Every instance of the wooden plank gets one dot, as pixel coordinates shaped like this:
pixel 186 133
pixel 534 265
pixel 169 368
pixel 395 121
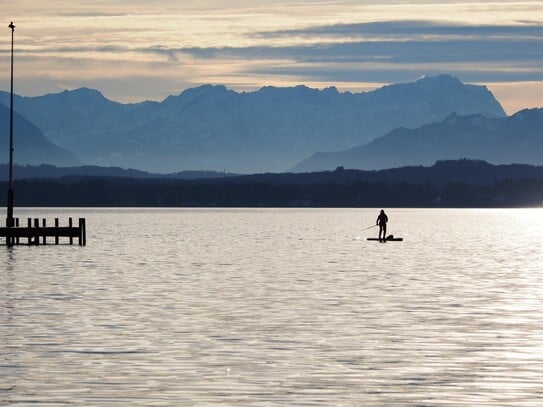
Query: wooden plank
pixel 49 231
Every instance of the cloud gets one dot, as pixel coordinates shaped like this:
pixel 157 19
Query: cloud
pixel 395 50
pixel 387 52
pixel 412 29
pixel 398 73
pixel 247 45
pixel 388 41
pixel 498 50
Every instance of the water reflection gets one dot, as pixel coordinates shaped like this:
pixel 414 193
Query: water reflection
pixel 7 327
pixel 277 307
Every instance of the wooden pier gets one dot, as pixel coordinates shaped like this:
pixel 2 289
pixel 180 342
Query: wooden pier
pixel 36 233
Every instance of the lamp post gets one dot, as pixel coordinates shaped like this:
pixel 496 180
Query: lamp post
pixel 10 222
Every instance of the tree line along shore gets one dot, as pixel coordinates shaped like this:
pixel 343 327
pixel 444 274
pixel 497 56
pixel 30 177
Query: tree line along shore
pixel 462 183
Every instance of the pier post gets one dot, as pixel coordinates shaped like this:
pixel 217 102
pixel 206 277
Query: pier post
pixel 56 231
pixel 10 221
pixel 29 225
pixel 82 232
pixel 70 225
pixel 44 224
pixel 9 240
pixel 17 225
pixel 37 231
pixel 8 243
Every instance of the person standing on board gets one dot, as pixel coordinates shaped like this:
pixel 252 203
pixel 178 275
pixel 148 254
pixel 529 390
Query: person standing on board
pixel 382 220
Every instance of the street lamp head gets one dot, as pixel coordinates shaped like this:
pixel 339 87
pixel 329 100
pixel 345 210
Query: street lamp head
pixel 12 26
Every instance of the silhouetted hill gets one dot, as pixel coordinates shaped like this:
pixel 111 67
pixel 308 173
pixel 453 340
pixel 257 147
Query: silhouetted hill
pixel 211 127
pixel 514 139
pixel 473 172
pixel 51 171
pixel 470 172
pixel 30 145
pixel 461 183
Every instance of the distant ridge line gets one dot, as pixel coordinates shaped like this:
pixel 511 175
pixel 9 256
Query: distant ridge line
pixel 52 171
pixel 470 171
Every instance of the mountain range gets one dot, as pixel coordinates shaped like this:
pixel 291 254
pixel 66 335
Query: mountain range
pixel 503 140
pixel 52 171
pixel 213 128
pixel 29 143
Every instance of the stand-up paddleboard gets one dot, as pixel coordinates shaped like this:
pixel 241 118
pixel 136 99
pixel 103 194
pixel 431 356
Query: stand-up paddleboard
pixel 388 239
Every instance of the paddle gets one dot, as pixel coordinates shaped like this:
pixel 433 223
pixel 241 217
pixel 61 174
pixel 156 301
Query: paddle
pixel 370 227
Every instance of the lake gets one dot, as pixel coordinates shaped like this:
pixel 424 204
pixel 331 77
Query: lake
pixel 277 307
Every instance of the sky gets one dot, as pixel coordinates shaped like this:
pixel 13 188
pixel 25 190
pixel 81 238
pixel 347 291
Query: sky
pixel 134 50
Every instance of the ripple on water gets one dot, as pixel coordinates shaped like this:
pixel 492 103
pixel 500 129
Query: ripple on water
pixel 277 307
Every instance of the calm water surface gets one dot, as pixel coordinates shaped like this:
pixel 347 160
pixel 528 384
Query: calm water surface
pixel 277 307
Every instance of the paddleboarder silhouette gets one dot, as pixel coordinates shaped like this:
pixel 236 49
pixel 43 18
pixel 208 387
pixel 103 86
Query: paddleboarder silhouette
pixel 382 220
